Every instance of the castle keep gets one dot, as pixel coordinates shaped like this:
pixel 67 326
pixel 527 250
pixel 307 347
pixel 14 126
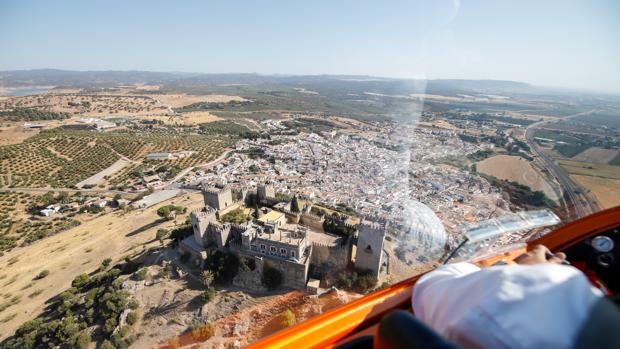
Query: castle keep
pixel 220 198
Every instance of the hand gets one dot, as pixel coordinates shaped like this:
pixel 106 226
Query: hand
pixel 540 254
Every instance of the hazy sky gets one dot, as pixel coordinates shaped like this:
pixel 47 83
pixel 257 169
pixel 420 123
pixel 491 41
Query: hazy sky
pixel 566 43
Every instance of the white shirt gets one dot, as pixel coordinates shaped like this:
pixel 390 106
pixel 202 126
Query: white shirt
pixel 511 306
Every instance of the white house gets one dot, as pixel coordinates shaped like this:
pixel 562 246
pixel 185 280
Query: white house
pixel 50 210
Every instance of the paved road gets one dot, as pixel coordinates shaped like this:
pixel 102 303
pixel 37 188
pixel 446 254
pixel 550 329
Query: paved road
pixel 578 203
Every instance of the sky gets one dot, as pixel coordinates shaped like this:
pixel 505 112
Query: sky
pixel 559 43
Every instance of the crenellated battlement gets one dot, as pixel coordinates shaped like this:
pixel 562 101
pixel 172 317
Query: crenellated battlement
pixel 290 213
pixel 378 225
pixel 215 190
pixel 219 228
pixel 312 216
pixel 206 212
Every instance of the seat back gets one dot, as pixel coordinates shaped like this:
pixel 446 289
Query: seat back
pixel 402 330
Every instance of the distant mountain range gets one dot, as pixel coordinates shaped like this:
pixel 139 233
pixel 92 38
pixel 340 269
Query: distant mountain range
pixel 101 79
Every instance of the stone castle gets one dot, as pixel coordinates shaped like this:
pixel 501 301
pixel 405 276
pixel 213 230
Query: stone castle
pixel 288 247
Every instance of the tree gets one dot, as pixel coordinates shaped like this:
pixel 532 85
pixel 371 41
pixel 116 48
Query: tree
pixel 82 340
pixel 107 345
pixel 169 211
pixel 207 278
pixel 287 318
pixel 294 204
pixel 134 304
pixel 236 216
pixel 161 235
pixel 247 264
pixel 106 263
pixel 80 281
pixel 164 212
pixel 42 274
pixel 224 265
pixel 63 197
pixel 132 318
pixel 47 198
pixel 272 277
pixel 141 274
pixel 208 295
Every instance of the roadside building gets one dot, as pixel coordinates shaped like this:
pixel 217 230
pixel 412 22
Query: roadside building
pixel 101 203
pixel 50 210
pixel 161 156
pixel 153 181
pixel 158 156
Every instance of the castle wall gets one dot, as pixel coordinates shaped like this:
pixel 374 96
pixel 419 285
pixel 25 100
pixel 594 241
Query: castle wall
pixel 314 222
pixel 294 275
pixel 331 255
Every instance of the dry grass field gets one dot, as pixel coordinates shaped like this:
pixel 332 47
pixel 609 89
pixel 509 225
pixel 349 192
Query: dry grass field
pixel 180 100
pixel 90 105
pixel 596 155
pixel 516 169
pixel 195 118
pixel 14 132
pixel 73 252
pixel 606 191
pixel 125 102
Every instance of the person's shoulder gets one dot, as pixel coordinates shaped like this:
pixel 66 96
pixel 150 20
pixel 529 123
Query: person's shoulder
pixel 539 273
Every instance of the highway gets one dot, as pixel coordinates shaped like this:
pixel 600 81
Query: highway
pixel 578 203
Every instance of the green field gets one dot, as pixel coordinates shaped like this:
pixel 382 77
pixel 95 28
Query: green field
pixel 589 169
pixel 615 161
pixel 570 150
pixel 571 146
pixel 556 136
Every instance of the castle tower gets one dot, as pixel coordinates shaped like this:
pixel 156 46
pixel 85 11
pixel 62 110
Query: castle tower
pixel 200 222
pixel 369 255
pixel 265 191
pixel 218 234
pixel 218 198
pixel 246 238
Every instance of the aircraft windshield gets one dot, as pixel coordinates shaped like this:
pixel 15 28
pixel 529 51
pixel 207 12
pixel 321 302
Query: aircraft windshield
pixel 210 173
